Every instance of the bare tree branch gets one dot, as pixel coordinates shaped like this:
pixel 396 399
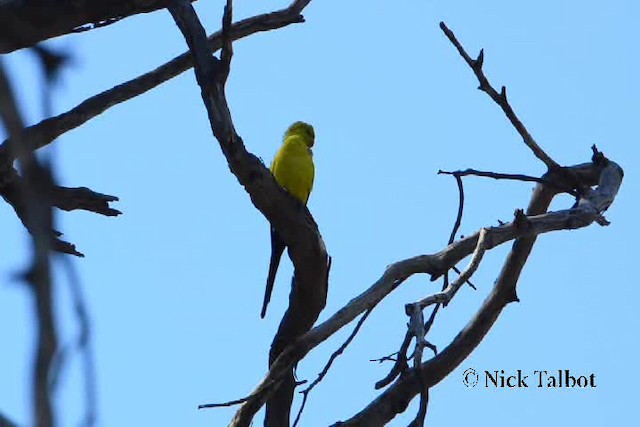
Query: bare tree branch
pixel 396 398
pixel 400 364
pixel 65 198
pixel 24 23
pixel 438 263
pixel 500 99
pixel 38 218
pixel 296 226
pixel 6 422
pixel 416 326
pixel 445 296
pixel 326 368
pixel 508 176
pixel 48 130
pixel 83 344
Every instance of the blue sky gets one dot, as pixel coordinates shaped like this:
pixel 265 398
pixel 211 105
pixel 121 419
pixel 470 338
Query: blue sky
pixel 174 285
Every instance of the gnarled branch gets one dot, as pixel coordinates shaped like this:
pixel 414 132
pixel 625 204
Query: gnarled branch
pixel 296 226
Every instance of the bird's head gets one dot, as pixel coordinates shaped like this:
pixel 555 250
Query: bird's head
pixel 302 130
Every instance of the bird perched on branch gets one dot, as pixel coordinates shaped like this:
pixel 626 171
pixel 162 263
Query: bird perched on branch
pixel 293 169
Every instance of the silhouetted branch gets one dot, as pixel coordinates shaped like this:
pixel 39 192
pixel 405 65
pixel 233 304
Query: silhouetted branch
pixel 500 99
pixel 296 226
pixel 400 364
pixel 83 344
pixel 396 398
pixel 508 176
pixel 65 198
pixel 38 218
pixel 95 25
pixel 6 422
pixel 458 221
pixel 445 296
pixel 24 23
pixel 47 130
pixel 83 198
pixel 333 357
pixel 438 263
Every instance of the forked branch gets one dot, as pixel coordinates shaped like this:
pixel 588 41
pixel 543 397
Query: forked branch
pixel 297 227
pixel 48 130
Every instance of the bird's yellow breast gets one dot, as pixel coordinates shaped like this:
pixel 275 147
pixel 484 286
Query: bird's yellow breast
pixel 293 167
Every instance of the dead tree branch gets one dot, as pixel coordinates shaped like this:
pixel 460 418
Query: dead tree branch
pixel 500 99
pixel 325 370
pixel 11 190
pixel 417 329
pixel 585 175
pixel 605 174
pixel 507 176
pixel 49 129
pixel 6 422
pixel 445 296
pixel 296 226
pixel 83 344
pixel 45 132
pixel 24 23
pixel 38 218
pixel 436 265
pixel 396 398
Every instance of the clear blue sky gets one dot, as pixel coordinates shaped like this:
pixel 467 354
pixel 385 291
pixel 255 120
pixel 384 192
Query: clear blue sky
pixel 174 285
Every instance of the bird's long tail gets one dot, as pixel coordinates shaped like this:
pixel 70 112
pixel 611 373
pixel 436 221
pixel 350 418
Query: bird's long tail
pixel 277 248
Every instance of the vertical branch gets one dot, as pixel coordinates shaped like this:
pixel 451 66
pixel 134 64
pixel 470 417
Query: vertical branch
pixel 83 343
pixel 296 226
pixel 35 187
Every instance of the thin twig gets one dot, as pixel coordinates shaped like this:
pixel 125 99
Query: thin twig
pixel 400 364
pixel 84 343
pixel 325 370
pixel 510 176
pixel 267 387
pixel 456 225
pixel 223 404
pixel 390 358
pixel 500 99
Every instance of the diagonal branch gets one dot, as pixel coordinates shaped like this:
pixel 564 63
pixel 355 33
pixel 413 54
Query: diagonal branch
pixel 64 198
pixel 500 99
pixel 445 296
pixel 438 263
pixel 24 23
pixel 47 130
pixel 326 368
pixel 6 422
pixel 397 397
